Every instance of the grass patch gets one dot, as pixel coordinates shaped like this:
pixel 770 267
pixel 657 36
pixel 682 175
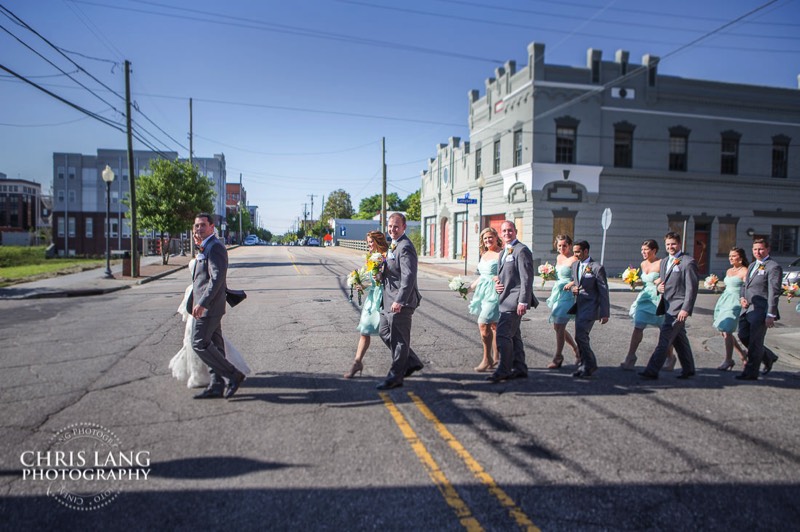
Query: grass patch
pixel 19 264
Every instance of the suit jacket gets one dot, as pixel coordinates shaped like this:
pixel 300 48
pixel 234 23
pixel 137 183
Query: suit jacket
pixel 592 302
pixel 680 285
pixel 515 272
pixel 762 290
pixel 400 275
pixel 209 278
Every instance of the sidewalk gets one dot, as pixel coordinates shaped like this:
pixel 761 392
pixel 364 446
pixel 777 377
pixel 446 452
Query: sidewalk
pixel 93 282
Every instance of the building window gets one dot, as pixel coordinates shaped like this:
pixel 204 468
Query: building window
pixel 477 163
pixel 623 145
pixel 114 196
pixel 72 196
pixel 784 239
pixel 60 172
pixel 565 145
pixel 72 172
pixel 678 148
pixel 89 227
pixel 727 236
pixel 729 153
pixel 496 168
pixel 518 147
pixel 780 156
pixel 61 196
pixel 126 228
pixel 71 226
pixel 114 227
pixel 461 233
pixel 61 227
pixel 566 139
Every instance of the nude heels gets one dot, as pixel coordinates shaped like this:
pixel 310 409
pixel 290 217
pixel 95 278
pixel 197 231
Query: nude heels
pixel 358 367
pixel 727 365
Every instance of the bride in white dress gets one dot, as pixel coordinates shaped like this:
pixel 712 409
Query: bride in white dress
pixel 186 365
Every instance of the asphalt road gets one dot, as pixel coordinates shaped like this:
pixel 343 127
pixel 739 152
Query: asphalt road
pixel 300 448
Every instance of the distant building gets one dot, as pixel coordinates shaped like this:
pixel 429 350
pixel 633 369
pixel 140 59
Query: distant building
pixel 351 229
pixel 23 211
pixel 79 197
pixel 551 147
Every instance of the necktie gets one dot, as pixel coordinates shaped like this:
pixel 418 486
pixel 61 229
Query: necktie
pixel 582 269
pixel 755 268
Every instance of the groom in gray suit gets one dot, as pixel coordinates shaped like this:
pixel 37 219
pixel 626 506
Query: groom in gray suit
pixel 400 299
pixel 759 298
pixel 678 293
pixel 207 305
pixel 514 283
pixel 591 304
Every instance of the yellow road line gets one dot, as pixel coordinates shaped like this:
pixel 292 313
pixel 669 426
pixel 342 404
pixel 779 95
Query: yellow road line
pixel 293 263
pixel 514 511
pixel 447 490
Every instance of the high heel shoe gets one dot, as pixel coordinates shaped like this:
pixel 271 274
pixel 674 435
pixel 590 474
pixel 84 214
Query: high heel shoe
pixel 670 365
pixel 358 367
pixel 556 363
pixel 483 367
pixel 726 365
pixel 629 364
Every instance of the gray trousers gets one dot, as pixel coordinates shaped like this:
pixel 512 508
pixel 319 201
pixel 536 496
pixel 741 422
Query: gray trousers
pixel 395 331
pixel 509 345
pixel 209 345
pixel 672 333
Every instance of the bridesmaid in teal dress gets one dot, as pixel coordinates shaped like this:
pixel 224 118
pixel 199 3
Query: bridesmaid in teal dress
pixel 484 302
pixel 561 300
pixel 371 308
pixel 643 310
pixel 728 308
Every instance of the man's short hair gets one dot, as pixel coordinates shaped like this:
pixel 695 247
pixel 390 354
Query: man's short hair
pixel 672 235
pixel 583 244
pixel 509 222
pixel 762 241
pixel 398 215
pixel 206 216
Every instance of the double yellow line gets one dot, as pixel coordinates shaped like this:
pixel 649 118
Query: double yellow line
pixel 448 491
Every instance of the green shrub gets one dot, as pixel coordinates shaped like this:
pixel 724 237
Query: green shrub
pixel 21 255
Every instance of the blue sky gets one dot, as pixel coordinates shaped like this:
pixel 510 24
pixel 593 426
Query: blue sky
pixel 297 95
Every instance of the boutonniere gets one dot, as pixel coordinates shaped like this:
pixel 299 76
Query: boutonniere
pixel 762 267
pixel 509 250
pixel 587 270
pixel 393 246
pixel 677 261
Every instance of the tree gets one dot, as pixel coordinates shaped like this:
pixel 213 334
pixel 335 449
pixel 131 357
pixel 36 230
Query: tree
pixel 371 206
pixel 413 209
pixel 337 206
pixel 169 197
pixel 232 219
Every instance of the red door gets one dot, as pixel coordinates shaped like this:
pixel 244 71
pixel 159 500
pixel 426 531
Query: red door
pixel 445 238
pixel 495 221
pixel 431 240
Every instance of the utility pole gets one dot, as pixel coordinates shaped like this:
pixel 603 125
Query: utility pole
pixel 305 216
pixel 312 207
pixel 191 240
pixel 191 139
pixel 131 172
pixel 383 195
pixel 241 204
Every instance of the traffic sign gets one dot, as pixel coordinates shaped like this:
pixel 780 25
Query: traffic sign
pixel 466 200
pixel 605 220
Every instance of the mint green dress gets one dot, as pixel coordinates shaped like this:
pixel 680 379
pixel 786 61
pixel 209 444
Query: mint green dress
pixel 371 309
pixel 728 308
pixel 560 300
pixel 643 310
pixel 484 302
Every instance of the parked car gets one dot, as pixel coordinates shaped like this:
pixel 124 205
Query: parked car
pixel 250 240
pixel 311 241
pixel 791 274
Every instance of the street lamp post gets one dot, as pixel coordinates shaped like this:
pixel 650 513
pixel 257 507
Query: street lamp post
pixel 481 184
pixel 108 177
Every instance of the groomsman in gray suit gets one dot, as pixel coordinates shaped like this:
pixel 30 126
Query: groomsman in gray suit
pixel 759 298
pixel 400 299
pixel 591 304
pixel 207 305
pixel 678 293
pixel 514 283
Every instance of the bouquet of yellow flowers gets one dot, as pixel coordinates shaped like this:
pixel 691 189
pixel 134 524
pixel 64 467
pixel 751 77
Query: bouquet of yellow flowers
pixel 374 261
pixel 356 280
pixel 791 290
pixel 631 276
pixel 457 284
pixel 711 282
pixel 547 272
